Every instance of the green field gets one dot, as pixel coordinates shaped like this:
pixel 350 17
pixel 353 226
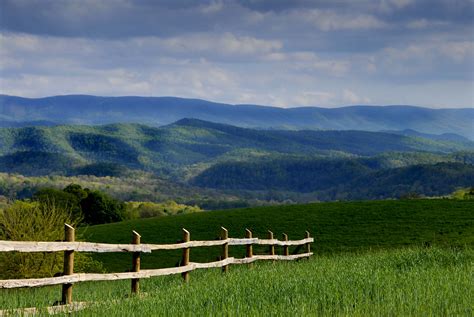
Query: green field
pixel 336 227
pixel 382 258
pixel 408 282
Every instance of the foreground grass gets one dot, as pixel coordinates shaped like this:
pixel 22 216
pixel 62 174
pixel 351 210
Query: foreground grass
pixel 403 282
pixel 336 227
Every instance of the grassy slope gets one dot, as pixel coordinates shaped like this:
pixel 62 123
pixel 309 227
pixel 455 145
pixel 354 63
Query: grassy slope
pixel 410 282
pixel 335 226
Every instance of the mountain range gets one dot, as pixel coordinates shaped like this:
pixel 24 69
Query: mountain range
pixel 158 111
pixel 245 151
pixel 325 165
pixel 190 145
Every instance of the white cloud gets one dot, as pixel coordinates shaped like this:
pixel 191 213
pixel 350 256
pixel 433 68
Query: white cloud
pixel 458 51
pixel 327 20
pixel 351 97
pixel 309 62
pixel 392 5
pixel 426 57
pixel 425 24
pixel 312 98
pixel 235 68
pixel 225 44
pixel 400 3
pixel 213 7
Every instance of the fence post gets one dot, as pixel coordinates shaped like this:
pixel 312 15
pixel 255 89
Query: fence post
pixel 249 247
pixel 272 247
pixel 308 245
pixel 185 260
pixel 68 268
pixel 285 247
pixel 225 248
pixel 135 263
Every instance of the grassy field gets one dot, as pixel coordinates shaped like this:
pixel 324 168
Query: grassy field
pixel 403 282
pixel 382 258
pixel 336 227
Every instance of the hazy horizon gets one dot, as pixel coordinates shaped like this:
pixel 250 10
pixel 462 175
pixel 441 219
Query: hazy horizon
pixel 242 104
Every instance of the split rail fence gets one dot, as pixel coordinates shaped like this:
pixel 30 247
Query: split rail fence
pixel 69 246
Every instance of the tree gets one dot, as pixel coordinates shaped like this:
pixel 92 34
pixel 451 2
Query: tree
pixel 60 199
pixel 99 208
pixel 77 191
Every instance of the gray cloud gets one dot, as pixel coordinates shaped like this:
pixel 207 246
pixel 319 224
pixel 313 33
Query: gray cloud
pixel 286 53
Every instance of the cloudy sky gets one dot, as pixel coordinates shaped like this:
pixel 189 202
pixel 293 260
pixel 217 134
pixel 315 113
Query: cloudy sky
pixel 283 53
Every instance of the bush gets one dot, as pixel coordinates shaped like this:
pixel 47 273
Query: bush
pixel 135 210
pixel 37 221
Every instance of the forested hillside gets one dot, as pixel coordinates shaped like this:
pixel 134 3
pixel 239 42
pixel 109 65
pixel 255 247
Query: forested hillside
pixel 339 179
pixel 173 149
pixel 244 164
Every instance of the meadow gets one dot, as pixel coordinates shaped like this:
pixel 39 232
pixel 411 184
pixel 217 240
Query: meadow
pixel 380 258
pixel 336 227
pixel 405 282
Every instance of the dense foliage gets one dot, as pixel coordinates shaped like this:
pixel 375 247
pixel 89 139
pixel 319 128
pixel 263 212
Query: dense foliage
pixel 135 187
pixel 339 179
pixel 186 147
pixel 93 206
pixel 213 165
pixel 38 221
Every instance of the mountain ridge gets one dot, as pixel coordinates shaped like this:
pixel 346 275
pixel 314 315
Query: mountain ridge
pixel 158 111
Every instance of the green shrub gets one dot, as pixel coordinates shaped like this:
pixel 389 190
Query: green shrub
pixel 135 209
pixel 37 221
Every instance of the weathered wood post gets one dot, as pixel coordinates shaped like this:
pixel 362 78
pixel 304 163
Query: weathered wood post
pixel 249 247
pixel 225 248
pixel 135 263
pixel 272 246
pixel 68 268
pixel 285 247
pixel 185 260
pixel 308 245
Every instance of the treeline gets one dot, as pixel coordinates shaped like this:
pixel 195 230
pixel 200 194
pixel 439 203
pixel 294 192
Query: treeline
pixel 138 186
pixel 338 179
pixel 37 163
pixel 97 207
pixel 300 175
pixel 92 206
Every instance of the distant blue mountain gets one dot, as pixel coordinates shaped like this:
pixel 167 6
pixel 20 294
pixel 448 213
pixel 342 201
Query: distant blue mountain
pixel 435 137
pixel 157 111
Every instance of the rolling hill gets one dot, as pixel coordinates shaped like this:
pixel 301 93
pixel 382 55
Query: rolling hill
pixel 248 163
pixel 180 147
pixel 157 111
pixel 348 226
pixel 338 179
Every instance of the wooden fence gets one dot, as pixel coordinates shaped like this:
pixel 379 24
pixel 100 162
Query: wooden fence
pixel 69 246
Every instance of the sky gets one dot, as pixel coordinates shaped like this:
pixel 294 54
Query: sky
pixel 284 53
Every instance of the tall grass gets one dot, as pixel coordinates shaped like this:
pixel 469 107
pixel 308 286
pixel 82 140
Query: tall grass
pixel 403 282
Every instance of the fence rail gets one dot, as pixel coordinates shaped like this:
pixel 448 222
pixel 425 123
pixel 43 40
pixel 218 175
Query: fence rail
pixel 136 248
pixel 32 246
